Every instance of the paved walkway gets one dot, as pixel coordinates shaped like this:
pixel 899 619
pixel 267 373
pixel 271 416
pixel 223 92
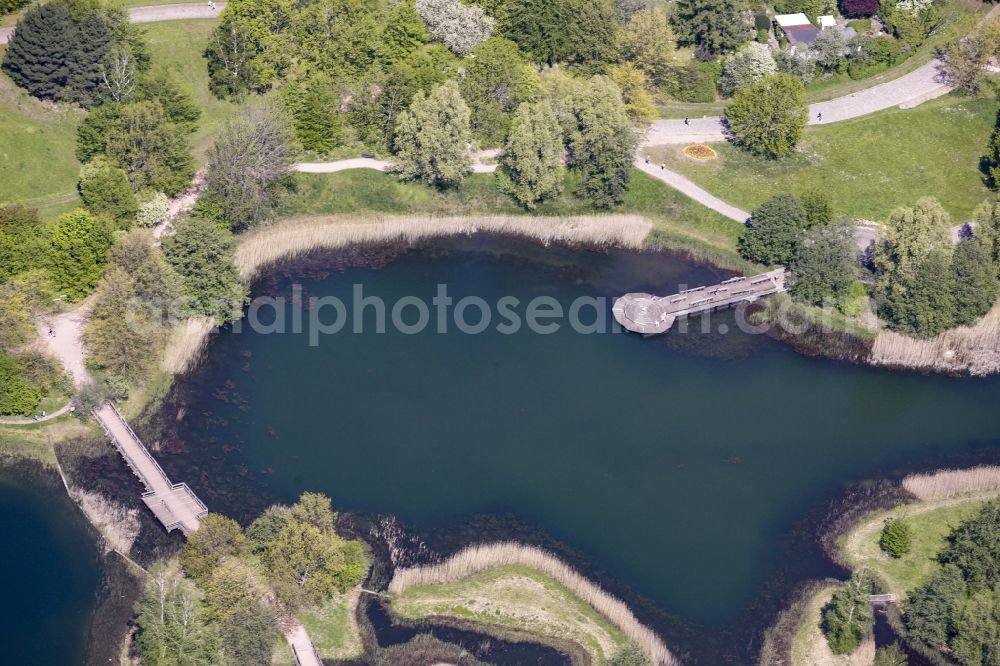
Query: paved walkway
pixel 478 166
pixel 688 188
pixel 302 647
pixel 909 90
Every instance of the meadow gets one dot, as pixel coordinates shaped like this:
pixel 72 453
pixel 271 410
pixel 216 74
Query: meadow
pixel 869 165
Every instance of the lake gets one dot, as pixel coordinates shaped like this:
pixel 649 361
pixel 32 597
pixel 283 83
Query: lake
pixel 52 574
pixel 680 466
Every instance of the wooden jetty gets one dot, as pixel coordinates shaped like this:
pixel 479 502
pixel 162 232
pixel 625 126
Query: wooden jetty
pixel 174 504
pixel 648 314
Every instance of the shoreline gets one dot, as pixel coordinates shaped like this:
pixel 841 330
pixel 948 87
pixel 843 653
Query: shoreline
pixel 862 516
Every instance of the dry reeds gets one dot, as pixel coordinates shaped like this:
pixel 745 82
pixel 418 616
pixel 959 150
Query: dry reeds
pixel 966 349
pixel 475 559
pixel 298 236
pixel 952 482
pixel 118 524
pixel 186 342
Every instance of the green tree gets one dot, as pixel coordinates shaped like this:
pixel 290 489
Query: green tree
pixel 384 95
pixel 23 241
pixel 150 148
pixel 824 264
pixel 603 144
pixel 121 333
pixel 896 538
pixel 128 324
pixel 911 235
pixel 713 27
pixel 767 117
pixel 533 155
pixel 745 67
pixel 251 159
pixel 105 190
pixel 977 629
pixel 86 60
pixel 975 280
pixel 172 626
pixel 925 306
pixel 264 530
pixel 18 395
pixel 308 565
pixel 848 618
pixel 818 206
pixel 248 637
pixel 631 81
pixel 974 547
pixel 36 58
pixel 496 82
pixel 202 255
pixel 79 250
pixel 630 654
pixel 774 228
pixel 403 32
pixel 434 136
pixel 930 608
pixel 336 35
pixel 648 43
pixel 890 656
pixel 229 588
pixel 313 105
pixel 253 45
pixel 314 509
pixel 578 32
pixel 92 132
pixel 216 539
pixel 177 104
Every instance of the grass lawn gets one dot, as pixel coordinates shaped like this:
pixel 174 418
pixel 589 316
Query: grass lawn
pixel 332 627
pixel 517 599
pixel 177 47
pixel 932 521
pixel 37 165
pixel 679 222
pixel 869 165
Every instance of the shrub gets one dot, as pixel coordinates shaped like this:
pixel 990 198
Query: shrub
pixel 761 21
pixel 746 67
pixel 897 537
pixel 9 6
pixel 153 210
pixel 696 82
pixel 848 618
pixel 890 656
pixel 460 27
pixel 18 395
pixel 105 190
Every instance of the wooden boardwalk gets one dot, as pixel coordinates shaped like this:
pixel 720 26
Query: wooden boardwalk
pixel 174 504
pixel 648 314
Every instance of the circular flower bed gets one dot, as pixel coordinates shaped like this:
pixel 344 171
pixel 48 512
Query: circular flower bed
pixel 699 151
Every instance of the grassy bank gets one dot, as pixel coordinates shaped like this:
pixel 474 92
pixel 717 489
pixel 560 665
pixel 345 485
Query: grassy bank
pixel 37 140
pixel 523 588
pixel 177 47
pixel 869 165
pixel 950 497
pixel 677 221
pixel 809 646
pixel 333 627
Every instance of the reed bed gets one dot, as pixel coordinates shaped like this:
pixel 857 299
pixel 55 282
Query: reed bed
pixel 298 236
pixel 951 482
pixel 974 350
pixel 186 343
pixel 478 558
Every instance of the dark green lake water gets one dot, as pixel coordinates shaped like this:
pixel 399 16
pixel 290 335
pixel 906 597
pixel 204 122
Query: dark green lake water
pixel 51 575
pixel 678 465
